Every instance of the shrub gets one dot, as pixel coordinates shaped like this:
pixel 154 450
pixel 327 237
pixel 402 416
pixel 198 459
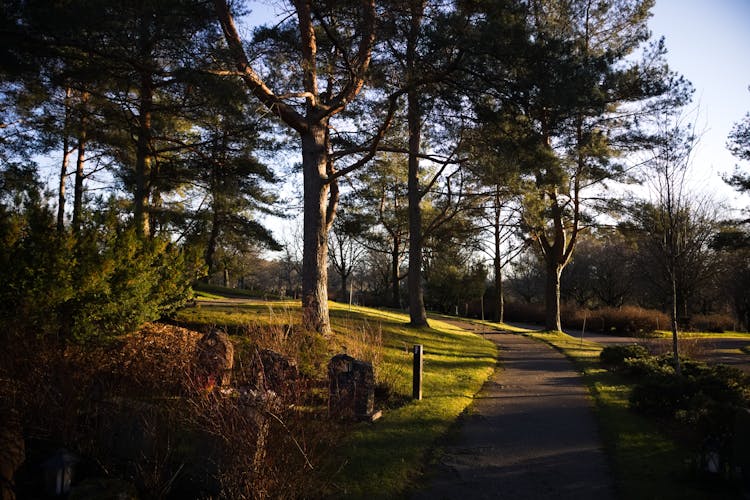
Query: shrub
pixel 523 312
pixel 707 398
pixel 101 282
pixel 716 323
pixel 626 320
pixel 649 366
pixel 130 410
pixel 615 355
pixel 660 396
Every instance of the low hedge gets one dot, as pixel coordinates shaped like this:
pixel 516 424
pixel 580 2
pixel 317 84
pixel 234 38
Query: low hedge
pixel 704 402
pixel 614 356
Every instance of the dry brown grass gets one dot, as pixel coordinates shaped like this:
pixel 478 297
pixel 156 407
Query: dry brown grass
pixel 133 411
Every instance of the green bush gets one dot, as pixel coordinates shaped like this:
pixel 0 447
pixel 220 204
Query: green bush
pixel 648 366
pixel 614 356
pixel 101 282
pixel 705 398
pixel 660 396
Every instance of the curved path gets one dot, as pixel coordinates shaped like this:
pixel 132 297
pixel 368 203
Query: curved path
pixel 530 433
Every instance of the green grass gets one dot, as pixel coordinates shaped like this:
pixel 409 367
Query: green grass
pixel 702 335
pixel 381 459
pixel 647 463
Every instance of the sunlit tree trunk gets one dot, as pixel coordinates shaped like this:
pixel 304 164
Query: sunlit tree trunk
pixel 417 312
pixel 143 158
pixel 315 230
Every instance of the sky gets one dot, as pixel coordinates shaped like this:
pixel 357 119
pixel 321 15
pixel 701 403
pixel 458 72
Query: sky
pixel 708 42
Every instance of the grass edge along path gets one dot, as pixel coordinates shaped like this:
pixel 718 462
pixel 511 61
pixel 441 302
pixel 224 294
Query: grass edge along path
pixel 646 462
pixel 383 459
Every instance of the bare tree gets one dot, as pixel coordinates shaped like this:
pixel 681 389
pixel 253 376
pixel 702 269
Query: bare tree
pixel 678 225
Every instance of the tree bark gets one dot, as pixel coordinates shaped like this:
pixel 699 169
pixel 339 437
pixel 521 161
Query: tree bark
pixel 500 314
pixel 80 160
pixel 552 297
pixel 498 261
pixel 143 158
pixel 315 229
pixel 395 277
pixel 417 312
pixel 674 326
pixel 65 160
pixel 212 242
pixel 78 183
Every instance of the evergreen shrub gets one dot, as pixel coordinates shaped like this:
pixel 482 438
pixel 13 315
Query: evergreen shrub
pixel 615 355
pixel 102 281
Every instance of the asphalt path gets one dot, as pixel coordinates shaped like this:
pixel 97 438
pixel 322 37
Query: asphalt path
pixel 529 434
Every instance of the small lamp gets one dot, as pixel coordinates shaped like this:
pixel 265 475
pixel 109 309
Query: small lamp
pixel 58 472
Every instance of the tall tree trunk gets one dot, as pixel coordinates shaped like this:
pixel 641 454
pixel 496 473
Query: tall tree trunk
pixel 417 312
pixel 498 261
pixel 320 188
pixel 315 232
pixel 500 314
pixel 155 203
pixel 143 158
pixel 674 326
pixel 78 183
pixel 80 160
pixel 212 242
pixel 67 151
pixel 344 285
pixel 552 297
pixel 395 278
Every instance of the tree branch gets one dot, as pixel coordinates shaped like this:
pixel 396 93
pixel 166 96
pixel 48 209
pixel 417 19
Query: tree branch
pixel 256 85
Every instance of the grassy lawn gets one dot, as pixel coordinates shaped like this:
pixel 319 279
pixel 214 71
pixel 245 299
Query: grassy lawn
pixel 380 460
pixel 702 335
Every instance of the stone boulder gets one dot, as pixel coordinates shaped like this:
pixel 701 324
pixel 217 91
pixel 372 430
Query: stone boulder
pixel 275 372
pixel 215 359
pixel 351 387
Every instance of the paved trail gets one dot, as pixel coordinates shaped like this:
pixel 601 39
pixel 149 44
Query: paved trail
pixel 530 435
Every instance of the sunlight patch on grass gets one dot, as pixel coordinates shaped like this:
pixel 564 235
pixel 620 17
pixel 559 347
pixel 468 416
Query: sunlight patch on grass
pixel 702 335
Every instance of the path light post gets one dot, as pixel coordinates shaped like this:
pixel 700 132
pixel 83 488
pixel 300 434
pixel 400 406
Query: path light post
pixel 417 373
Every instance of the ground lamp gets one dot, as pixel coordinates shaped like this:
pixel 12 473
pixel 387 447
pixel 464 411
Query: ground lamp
pixel 58 472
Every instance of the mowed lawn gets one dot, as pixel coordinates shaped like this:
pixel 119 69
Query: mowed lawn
pixel 380 459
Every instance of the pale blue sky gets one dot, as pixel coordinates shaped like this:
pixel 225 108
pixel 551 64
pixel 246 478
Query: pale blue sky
pixel 709 43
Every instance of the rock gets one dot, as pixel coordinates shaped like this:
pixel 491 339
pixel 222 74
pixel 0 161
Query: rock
pixel 275 372
pixel 351 387
pixel 215 360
